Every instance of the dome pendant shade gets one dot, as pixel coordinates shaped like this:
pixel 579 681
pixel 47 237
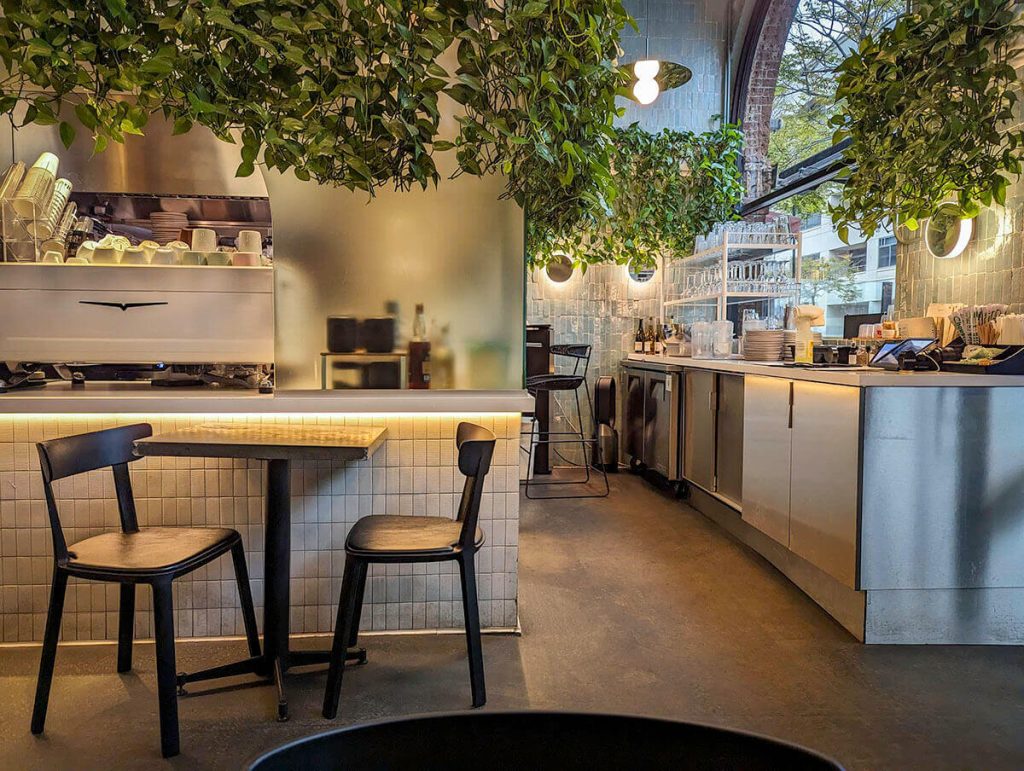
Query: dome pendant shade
pixel 649 77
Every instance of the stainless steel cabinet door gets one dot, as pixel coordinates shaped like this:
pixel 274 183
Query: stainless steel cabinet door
pixel 699 396
pixel 825 473
pixel 633 414
pixel 767 447
pixel 729 444
pixel 661 423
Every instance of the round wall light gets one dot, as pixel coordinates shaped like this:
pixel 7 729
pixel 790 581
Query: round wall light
pixel 947 233
pixel 560 270
pixel 640 275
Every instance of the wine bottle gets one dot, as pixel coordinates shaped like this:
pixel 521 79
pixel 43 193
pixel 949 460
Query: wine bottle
pixel 638 341
pixel 659 338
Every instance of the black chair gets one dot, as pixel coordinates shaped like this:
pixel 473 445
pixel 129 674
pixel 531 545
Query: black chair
pixel 539 740
pixel 418 539
pixel 153 555
pixel 574 381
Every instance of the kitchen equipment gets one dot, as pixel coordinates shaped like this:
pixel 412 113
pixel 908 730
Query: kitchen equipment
pixel 246 259
pixel 888 355
pixel 763 345
pixel 377 334
pixel 721 338
pixel 701 338
pixel 807 316
pixel 604 416
pixel 342 334
pixel 652 404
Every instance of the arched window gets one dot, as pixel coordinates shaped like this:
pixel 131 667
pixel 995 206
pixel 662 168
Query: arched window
pixel 785 97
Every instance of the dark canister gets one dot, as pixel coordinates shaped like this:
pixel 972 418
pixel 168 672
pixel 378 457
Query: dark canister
pixel 377 334
pixel 342 334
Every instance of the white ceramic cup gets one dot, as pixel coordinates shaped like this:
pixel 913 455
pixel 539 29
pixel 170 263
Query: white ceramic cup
pixel 246 260
pixel 76 261
pixel 165 255
pixel 53 256
pixel 86 250
pixel 134 255
pixel 149 247
pixel 217 258
pixel 192 258
pixel 106 255
pixel 249 241
pixel 204 240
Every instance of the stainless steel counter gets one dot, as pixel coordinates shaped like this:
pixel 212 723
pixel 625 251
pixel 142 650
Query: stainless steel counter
pixel 896 501
pixel 861 377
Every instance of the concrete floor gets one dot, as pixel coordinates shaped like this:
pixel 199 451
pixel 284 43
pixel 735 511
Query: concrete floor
pixel 632 604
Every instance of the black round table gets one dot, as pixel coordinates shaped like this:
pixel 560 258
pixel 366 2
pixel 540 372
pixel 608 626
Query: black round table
pixel 538 740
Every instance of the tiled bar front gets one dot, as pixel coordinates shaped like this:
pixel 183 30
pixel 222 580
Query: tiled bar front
pixel 414 473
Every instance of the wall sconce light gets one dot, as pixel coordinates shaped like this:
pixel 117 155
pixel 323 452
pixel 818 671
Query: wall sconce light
pixel 946 233
pixel 640 275
pixel 559 271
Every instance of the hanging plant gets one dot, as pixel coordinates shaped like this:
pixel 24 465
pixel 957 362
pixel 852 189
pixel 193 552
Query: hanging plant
pixel 345 92
pixel 671 187
pixel 928 107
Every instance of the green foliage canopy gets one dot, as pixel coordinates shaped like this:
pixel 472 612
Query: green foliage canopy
pixel 345 92
pixel 928 106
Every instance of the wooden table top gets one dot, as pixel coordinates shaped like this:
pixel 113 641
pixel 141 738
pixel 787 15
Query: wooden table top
pixel 267 442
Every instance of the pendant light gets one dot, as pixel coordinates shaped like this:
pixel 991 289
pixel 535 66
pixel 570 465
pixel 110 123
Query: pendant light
pixel 650 76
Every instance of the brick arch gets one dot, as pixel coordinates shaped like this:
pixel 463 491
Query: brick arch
pixel 755 87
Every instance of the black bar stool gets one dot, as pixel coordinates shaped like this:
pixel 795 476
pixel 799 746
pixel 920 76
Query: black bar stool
pixel 384 538
pixel 153 555
pixel 573 381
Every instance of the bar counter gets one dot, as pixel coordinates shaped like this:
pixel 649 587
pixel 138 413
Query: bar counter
pixel 895 500
pixel 414 473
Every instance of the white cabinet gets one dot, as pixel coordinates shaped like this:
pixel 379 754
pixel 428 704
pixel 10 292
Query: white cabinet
pixel 801 464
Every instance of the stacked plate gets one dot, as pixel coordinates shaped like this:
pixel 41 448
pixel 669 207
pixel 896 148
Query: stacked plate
pixel 167 225
pixel 763 344
pixel 789 344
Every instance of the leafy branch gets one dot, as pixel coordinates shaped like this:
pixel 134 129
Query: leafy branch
pixel 929 107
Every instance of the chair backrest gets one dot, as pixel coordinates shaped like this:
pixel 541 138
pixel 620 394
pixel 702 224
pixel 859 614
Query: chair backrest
pixel 579 352
pixel 71 455
pixel 476 448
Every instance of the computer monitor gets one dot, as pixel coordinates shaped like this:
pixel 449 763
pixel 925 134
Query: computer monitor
pixel 851 324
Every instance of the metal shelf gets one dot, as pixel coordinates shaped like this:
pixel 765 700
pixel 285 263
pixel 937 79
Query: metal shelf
pixel 733 295
pixel 716 251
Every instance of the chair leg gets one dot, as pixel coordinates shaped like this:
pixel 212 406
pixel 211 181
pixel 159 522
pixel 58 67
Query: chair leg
pixel 252 633
pixel 166 674
pixel 596 452
pixel 126 628
pixel 353 638
pixel 471 611
pixel 342 632
pixel 50 636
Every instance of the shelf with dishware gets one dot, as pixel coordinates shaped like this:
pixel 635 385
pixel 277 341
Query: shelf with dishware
pixel 738 263
pixel 43 220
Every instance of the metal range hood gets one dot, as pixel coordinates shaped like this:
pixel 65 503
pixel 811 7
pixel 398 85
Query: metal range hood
pixel 195 164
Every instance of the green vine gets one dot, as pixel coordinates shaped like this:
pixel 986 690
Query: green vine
pixel 345 92
pixel 928 107
pixel 671 187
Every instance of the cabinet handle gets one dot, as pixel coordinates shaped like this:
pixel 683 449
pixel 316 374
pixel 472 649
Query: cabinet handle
pixel 790 406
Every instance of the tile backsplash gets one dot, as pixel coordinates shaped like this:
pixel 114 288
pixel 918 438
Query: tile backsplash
pixel 413 473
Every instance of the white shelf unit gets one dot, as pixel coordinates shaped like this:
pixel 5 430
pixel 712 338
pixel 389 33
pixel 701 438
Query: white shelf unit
pixel 788 250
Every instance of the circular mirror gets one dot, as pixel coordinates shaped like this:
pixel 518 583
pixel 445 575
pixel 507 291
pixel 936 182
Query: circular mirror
pixel 641 275
pixel 946 234
pixel 559 270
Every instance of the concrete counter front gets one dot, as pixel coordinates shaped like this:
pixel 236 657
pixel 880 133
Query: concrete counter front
pixel 414 472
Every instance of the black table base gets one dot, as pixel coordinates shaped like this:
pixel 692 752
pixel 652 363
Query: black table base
pixel 277 657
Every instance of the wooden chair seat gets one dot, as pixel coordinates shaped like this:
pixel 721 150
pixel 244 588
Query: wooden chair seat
pixel 391 536
pixel 150 551
pixel 391 539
